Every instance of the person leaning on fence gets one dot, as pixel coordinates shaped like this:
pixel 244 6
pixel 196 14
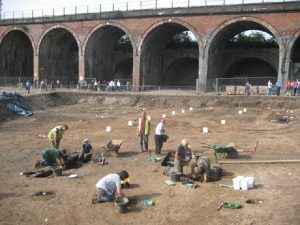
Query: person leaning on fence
pixel 144 131
pixel 270 85
pixel 56 134
pixel 278 87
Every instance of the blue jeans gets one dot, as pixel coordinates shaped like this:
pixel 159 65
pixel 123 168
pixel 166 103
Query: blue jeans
pixel 144 141
pixel 104 196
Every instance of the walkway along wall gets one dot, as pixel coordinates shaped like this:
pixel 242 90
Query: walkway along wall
pixel 85 48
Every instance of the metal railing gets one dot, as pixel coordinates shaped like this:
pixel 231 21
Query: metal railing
pixel 118 9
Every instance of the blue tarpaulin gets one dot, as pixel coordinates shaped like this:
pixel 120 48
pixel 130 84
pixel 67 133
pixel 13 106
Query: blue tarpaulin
pixel 19 109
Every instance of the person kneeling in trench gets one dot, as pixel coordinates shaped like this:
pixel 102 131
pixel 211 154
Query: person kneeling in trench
pixel 200 167
pixel 85 154
pixel 109 187
pixel 52 157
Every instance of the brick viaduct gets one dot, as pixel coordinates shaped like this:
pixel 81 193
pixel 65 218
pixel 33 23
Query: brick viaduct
pixel 78 48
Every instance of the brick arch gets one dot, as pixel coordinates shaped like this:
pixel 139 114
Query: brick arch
pixel 232 21
pixel 117 25
pixel 291 43
pixel 166 21
pixel 60 27
pixel 22 30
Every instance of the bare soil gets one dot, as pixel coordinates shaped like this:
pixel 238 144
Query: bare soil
pixel 273 121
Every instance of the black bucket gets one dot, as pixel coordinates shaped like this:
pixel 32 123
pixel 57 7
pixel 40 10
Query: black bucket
pixel 121 204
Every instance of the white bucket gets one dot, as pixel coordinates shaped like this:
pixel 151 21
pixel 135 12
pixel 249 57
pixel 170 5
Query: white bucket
pixel 205 129
pixel 244 184
pixel 164 115
pixel 223 122
pixel 236 184
pixel 240 112
pixel 173 112
pixel 250 182
pixel 183 111
pixel 108 129
pixel 191 108
pixel 245 110
pixel 130 123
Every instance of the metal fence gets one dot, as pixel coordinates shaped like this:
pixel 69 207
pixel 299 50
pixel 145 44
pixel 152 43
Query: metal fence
pixel 118 8
pixel 258 85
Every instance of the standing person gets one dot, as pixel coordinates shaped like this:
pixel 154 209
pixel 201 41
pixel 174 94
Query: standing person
pixel 270 85
pixel 85 154
pixel 247 88
pixel 295 87
pixel 200 167
pixel 144 131
pixel 158 136
pixel 51 156
pixel 278 87
pixel 181 155
pixel 52 86
pixel 288 87
pixel 56 134
pixel 28 86
pixel 118 85
pixel 110 186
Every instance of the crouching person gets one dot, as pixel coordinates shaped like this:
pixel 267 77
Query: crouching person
pixel 109 187
pixel 181 155
pixel 200 167
pixel 52 157
pixel 85 154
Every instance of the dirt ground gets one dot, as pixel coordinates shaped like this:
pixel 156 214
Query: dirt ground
pixel 273 121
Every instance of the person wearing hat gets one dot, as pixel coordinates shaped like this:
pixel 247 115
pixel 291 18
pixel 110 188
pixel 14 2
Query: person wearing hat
pixel 144 131
pixel 56 134
pixel 109 187
pixel 85 154
pixel 52 156
pixel 200 167
pixel 158 136
pixel 181 160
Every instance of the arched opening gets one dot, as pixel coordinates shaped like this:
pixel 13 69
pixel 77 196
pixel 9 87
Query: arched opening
pixel 58 57
pixel 16 58
pixel 295 61
pixel 182 72
pixel 246 43
pixel 108 55
pixel 162 48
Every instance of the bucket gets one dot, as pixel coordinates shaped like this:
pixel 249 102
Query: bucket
pixel 191 108
pixel 183 111
pixel 250 182
pixel 205 130
pixel 244 184
pixel 223 122
pixel 108 129
pixel 245 110
pixel 240 112
pixel 130 123
pixel 173 112
pixel 164 116
pixel 237 182
pixel 121 204
pixel 57 171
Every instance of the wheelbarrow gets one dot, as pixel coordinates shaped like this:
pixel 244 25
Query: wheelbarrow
pixel 228 150
pixel 113 146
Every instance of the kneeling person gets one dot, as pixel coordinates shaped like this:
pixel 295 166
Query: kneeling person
pixel 85 154
pixel 110 186
pixel 51 156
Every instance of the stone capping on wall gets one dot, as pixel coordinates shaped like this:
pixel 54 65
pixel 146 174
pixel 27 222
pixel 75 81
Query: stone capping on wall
pixel 204 10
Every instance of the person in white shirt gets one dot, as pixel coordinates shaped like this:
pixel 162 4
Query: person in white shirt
pixel 109 187
pixel 158 136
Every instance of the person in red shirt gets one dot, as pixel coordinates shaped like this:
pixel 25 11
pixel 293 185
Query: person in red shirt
pixel 288 87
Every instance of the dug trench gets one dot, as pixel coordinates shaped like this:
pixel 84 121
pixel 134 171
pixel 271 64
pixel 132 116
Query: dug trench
pixel 88 115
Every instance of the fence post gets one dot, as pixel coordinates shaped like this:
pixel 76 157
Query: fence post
pixel 224 2
pixel 127 6
pixel 172 4
pixel 32 14
pixel 53 13
pixel 155 4
pixel 75 11
pixel 188 4
pixel 87 9
pixel 100 9
pixel 217 86
pixel 205 2
pixel 113 7
pixel 140 5
pixel 64 11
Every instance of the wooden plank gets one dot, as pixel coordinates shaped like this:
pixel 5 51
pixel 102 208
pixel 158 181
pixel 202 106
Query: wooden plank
pixel 260 161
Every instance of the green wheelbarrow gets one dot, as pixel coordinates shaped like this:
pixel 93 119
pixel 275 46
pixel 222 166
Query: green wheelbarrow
pixel 229 151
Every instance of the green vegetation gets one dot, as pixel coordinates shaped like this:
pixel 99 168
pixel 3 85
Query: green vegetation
pixel 123 44
pixel 252 39
pixel 182 40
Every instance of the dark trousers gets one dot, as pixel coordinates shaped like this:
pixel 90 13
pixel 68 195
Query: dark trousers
pixel 158 143
pixel 278 91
